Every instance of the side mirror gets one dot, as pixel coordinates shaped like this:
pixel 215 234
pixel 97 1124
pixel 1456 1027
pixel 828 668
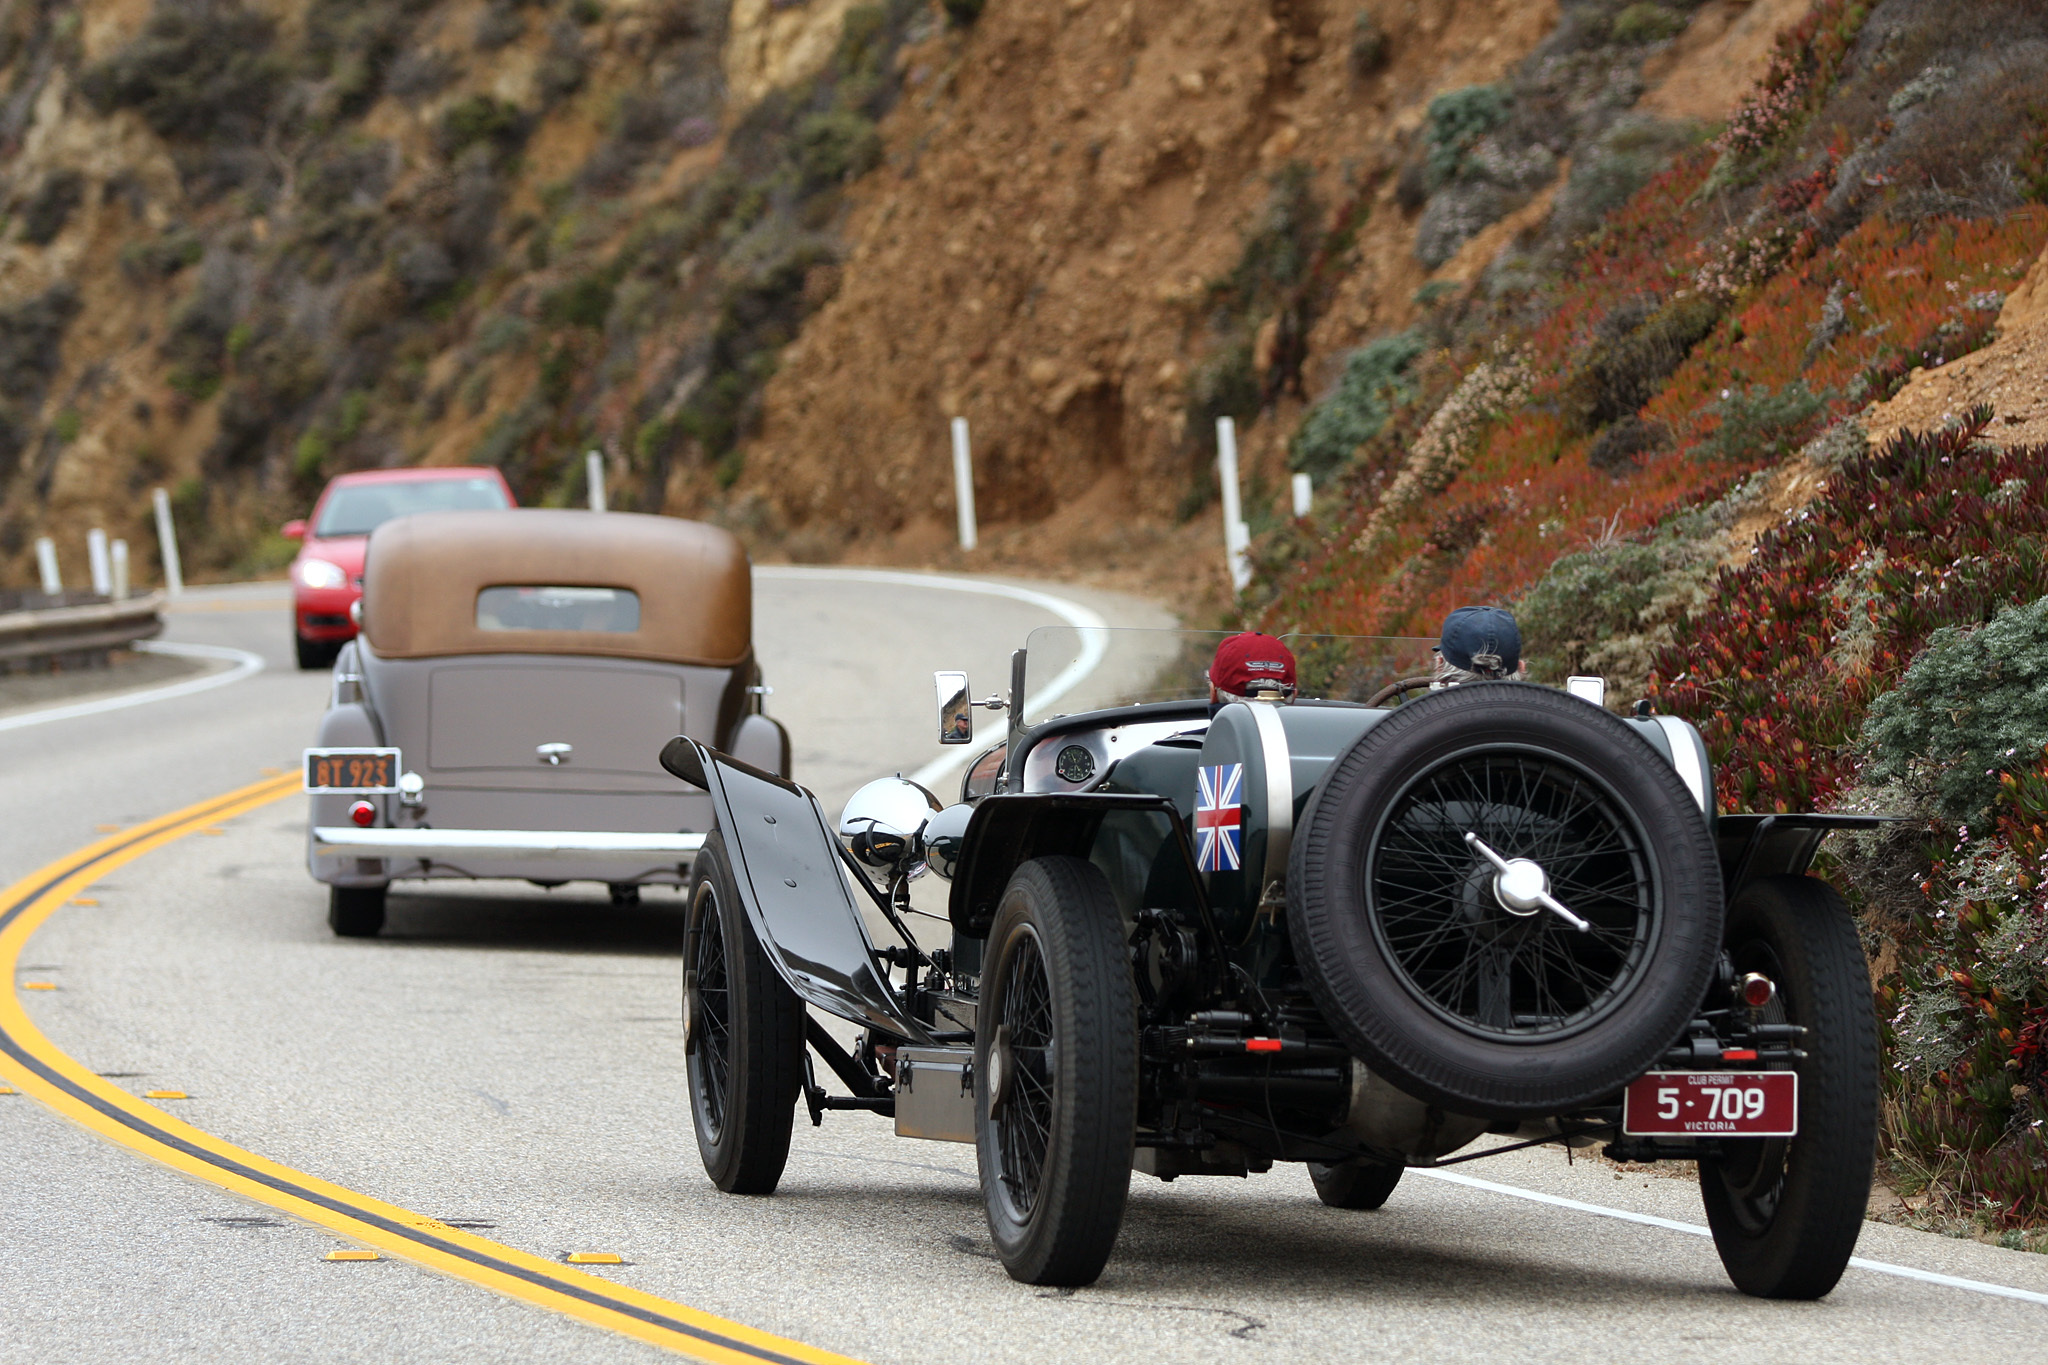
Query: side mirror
pixel 956 709
pixel 884 822
pixel 293 530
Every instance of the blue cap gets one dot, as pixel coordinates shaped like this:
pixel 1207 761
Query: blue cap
pixel 1473 632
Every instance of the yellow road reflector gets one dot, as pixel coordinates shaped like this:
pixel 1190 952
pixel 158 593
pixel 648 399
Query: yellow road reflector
pixel 39 985
pixel 83 900
pixel 594 1258
pixel 353 1256
pixel 108 829
pixel 165 1095
pixel 8 1090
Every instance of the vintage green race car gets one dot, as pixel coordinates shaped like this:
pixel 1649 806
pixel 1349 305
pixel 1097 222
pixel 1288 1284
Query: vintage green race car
pixel 1358 934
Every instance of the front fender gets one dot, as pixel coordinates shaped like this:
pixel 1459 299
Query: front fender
pixel 793 887
pixel 1008 830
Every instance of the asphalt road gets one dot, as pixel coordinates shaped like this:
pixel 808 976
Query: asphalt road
pixel 510 1060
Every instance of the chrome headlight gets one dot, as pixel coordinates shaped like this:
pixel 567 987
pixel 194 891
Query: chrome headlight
pixel 883 825
pixel 320 574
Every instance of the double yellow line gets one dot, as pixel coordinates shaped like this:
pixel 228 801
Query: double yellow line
pixel 39 1068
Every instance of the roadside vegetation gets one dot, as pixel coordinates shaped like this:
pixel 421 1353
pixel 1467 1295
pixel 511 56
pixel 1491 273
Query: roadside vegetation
pixel 1596 430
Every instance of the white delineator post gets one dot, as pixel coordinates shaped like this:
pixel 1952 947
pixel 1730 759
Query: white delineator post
pixel 118 553
pixel 593 466
pixel 96 563
pixel 1236 536
pixel 1304 495
pixel 46 564
pixel 963 483
pixel 167 543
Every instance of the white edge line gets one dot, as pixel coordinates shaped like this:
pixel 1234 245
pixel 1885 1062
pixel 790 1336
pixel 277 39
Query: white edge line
pixel 1073 613
pixel 1697 1230
pixel 244 663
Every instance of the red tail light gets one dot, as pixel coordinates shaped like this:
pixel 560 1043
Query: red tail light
pixel 1757 990
pixel 363 813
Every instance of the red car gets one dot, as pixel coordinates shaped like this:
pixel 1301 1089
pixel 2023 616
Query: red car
pixel 327 574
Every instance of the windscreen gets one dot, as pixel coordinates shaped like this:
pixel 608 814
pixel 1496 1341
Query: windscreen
pixel 522 607
pixel 358 509
pixel 1087 668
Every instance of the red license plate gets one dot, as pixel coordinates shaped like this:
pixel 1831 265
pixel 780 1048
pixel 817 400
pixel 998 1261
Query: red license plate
pixel 1712 1104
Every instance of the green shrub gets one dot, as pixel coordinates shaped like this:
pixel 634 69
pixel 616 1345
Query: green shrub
pixel 309 457
pixel 1368 44
pixel 1971 702
pixel 162 257
pixel 481 119
pixel 51 206
pixel 1763 423
pixel 1622 446
pixel 583 302
pixel 835 146
pixel 1633 352
pixel 1646 23
pixel 1374 383
pixel 66 426
pixel 1608 608
pixel 1458 119
pixel 203 71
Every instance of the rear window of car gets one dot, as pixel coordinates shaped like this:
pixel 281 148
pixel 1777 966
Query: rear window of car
pixel 537 607
pixel 358 509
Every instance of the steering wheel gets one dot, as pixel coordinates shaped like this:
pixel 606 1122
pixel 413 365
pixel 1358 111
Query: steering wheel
pixel 1396 689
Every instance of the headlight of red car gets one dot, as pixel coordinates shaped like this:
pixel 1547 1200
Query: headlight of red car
pixel 319 574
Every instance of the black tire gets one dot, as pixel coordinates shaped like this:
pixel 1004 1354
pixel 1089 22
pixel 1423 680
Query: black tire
pixel 1786 1212
pixel 355 911
pixel 1428 975
pixel 743 1037
pixel 1356 1184
pixel 1058 1054
pixel 313 653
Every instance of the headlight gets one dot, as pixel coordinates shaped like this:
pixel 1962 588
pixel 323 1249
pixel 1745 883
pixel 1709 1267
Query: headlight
pixel 318 573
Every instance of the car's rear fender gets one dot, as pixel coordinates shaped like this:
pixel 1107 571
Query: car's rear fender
pixel 793 885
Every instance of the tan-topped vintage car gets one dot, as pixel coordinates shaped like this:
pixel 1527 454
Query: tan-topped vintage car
pixel 501 713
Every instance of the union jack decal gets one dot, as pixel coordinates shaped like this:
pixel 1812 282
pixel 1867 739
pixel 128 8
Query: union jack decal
pixel 1219 817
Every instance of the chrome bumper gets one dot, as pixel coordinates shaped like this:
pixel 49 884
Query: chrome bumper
pixel 625 851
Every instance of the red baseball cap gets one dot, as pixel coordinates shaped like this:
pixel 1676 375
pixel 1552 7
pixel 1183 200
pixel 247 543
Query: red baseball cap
pixel 1250 658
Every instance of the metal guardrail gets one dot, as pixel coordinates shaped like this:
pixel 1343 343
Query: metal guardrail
pixel 36 626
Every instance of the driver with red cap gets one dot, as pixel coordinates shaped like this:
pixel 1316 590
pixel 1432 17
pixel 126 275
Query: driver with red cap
pixel 1250 666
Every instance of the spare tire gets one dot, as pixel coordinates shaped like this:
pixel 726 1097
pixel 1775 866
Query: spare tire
pixel 1445 977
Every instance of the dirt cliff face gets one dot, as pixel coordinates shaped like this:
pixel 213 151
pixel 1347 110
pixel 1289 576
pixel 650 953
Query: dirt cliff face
pixel 757 252
pixel 1065 185
pixel 1103 223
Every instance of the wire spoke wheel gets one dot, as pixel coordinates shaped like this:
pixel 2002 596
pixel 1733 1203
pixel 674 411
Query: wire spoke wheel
pixel 1024 1126
pixel 710 1006
pixel 1786 1212
pixel 743 1031
pixel 1439 879
pixel 1488 968
pixel 1057 1054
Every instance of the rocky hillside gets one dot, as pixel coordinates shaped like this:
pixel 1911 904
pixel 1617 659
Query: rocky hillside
pixel 758 251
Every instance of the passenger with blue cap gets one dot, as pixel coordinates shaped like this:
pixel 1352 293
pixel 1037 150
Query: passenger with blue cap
pixel 1479 644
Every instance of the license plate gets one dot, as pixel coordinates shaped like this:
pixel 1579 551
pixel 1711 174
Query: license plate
pixel 352 770
pixel 1712 1104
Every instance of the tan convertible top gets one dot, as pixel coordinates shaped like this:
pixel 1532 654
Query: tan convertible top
pixel 424 572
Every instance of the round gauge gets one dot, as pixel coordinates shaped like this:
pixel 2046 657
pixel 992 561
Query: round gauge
pixel 1074 764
